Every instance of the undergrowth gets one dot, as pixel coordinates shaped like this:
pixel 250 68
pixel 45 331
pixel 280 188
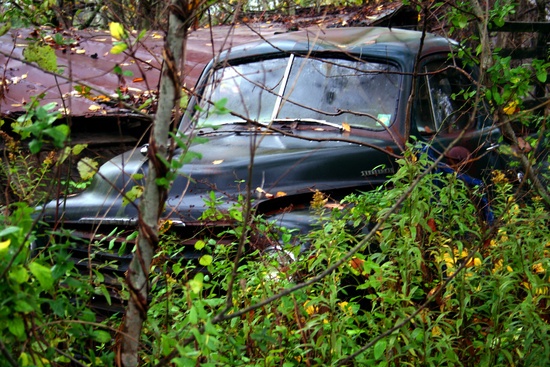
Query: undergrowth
pixel 467 293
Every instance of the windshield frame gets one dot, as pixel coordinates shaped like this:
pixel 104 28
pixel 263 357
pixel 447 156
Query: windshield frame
pixel 385 66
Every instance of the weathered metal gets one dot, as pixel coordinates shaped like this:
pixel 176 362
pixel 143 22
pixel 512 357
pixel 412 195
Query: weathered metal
pixel 88 62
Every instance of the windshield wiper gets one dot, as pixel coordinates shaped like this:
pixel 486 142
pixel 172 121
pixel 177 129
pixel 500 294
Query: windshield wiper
pixel 311 121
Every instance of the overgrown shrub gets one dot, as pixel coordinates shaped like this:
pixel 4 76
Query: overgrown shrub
pixel 440 285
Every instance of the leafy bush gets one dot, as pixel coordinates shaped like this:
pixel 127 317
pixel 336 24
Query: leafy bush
pixel 45 315
pixel 433 284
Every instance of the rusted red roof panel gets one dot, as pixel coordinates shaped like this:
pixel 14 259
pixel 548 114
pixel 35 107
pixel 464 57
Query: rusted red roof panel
pixel 88 61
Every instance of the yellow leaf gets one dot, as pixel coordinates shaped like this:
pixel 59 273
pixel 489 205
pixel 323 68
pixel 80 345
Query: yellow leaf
pixel 119 48
pixel 157 36
pixel 94 108
pixel 87 168
pixel 511 108
pixel 346 127
pixel 81 51
pixel 101 98
pixel 117 31
pixel 165 225
pixel 538 268
pixel 4 246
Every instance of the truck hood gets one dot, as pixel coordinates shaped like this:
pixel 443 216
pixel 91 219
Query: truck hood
pixel 276 166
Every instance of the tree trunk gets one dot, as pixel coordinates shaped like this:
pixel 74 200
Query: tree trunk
pixel 154 196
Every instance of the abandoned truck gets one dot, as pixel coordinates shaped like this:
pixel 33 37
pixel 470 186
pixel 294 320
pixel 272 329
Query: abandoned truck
pixel 327 110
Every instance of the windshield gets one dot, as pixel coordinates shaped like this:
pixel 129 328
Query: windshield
pixel 357 92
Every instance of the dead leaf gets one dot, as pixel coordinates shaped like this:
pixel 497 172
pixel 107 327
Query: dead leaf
pixel 524 145
pixel 80 51
pixel 94 108
pixel 334 206
pixel 262 191
pixel 101 98
pixel 346 127
pixel 280 194
pixel 137 80
pixel 157 36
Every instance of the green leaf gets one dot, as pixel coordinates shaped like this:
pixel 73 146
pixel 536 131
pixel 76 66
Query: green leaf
pixel 542 75
pixel 44 56
pixel 236 214
pixel 205 260
pixel 105 293
pixel 193 315
pixel 190 156
pixel 9 230
pixel 58 134
pixel 380 348
pixel 23 306
pixel 35 146
pixel 141 34
pixel 145 104
pixel 16 326
pixel 101 336
pixel 197 283
pixel 167 344
pixel 58 306
pixel 219 107
pixel 19 274
pixel 78 148
pixel 43 274
pixel 176 268
pixel 184 101
pixel 199 245
pixel 134 193
pixel 4 28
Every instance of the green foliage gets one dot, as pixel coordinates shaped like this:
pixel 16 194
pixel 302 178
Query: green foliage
pixel 24 13
pixel 433 285
pixel 474 295
pixel 41 324
pixel 38 123
pixel 43 55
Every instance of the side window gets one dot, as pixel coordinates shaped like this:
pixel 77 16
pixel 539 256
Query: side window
pixel 440 106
